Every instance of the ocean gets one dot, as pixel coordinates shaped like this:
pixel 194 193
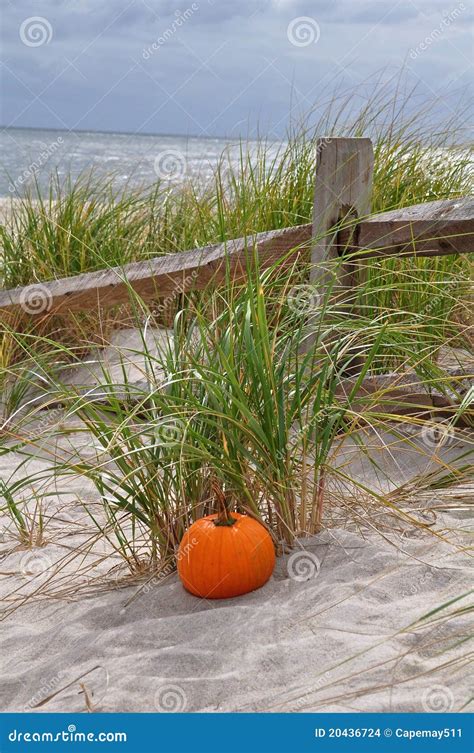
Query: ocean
pixel 135 160
pixel 129 160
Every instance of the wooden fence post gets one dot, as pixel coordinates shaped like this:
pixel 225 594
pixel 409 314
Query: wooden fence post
pixel 343 191
pixel 344 171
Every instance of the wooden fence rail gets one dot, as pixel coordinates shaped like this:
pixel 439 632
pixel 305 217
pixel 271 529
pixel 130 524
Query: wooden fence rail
pixel 341 227
pixel 434 229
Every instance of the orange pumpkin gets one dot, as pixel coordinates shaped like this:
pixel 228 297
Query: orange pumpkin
pixel 224 556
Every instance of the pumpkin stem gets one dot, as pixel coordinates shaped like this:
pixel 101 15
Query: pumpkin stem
pixel 224 518
pixel 220 521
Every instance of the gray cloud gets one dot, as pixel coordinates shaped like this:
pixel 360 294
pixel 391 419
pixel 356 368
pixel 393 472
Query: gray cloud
pixel 214 66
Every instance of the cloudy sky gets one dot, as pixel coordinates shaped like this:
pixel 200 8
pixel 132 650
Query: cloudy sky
pixel 220 67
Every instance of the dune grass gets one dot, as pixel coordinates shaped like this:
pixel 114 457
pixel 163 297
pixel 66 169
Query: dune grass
pixel 237 398
pixel 87 224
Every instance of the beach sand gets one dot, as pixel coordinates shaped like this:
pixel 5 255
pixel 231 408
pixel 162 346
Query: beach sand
pixel 7 206
pixel 335 629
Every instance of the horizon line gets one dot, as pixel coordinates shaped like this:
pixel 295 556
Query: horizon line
pixel 128 133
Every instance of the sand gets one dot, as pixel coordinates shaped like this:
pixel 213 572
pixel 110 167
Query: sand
pixel 333 630
pixel 8 204
pixel 337 628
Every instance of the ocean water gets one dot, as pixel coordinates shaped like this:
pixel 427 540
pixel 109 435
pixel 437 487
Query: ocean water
pixel 136 160
pixel 29 155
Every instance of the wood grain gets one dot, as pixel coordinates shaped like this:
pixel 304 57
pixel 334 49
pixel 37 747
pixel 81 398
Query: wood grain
pixel 160 277
pixel 437 228
pixel 343 188
pixel 432 229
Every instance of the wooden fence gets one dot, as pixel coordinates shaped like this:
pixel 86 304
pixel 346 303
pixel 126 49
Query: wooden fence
pixel 342 227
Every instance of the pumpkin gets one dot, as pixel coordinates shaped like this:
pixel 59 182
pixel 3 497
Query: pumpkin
pixel 225 555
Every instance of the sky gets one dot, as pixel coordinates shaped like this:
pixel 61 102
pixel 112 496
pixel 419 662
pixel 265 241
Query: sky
pixel 222 67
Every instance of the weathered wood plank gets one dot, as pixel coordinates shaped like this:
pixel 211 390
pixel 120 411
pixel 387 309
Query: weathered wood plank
pixel 432 229
pixel 343 189
pixel 160 277
pixel 405 394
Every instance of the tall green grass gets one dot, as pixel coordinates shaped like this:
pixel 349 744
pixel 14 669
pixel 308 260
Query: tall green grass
pixel 84 225
pixel 242 397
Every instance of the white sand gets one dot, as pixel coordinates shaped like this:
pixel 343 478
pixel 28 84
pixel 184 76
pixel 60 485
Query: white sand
pixel 340 641
pixel 6 205
pixel 344 639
